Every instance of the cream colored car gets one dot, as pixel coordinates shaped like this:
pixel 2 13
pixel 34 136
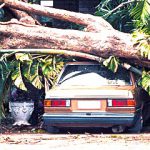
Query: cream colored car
pixel 89 95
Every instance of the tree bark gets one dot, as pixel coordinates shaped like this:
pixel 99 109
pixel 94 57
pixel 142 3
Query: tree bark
pixel 99 38
pixel 24 16
pixel 31 36
pixel 92 23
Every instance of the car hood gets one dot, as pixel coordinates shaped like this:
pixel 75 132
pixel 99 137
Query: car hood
pixel 93 92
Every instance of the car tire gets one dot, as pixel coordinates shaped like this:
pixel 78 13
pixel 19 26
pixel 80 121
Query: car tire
pixel 137 126
pixel 118 129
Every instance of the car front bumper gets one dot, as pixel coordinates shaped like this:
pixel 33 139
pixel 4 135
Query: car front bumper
pixel 88 119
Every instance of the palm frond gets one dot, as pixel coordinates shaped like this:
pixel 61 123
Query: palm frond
pixel 117 13
pixel 51 68
pixel 141 12
pixel 4 85
pixel 35 77
pixel 17 77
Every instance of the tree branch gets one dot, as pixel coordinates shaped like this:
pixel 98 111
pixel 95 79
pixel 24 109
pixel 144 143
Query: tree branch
pixel 54 52
pixel 66 53
pixel 78 18
pixel 24 16
pixel 118 7
pixel 15 21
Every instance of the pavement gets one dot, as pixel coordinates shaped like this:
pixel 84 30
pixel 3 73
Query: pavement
pixel 74 141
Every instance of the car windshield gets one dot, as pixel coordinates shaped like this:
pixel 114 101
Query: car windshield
pixel 93 75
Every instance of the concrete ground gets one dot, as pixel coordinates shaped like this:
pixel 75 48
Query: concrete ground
pixel 74 141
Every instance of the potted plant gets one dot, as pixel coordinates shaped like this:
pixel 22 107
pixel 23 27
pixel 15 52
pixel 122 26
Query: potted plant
pixel 21 106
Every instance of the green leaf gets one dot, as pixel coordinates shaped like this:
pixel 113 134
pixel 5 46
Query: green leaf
pixel 17 77
pixel 117 13
pixel 145 81
pixel 112 63
pixel 51 68
pixel 141 12
pixel 33 75
pixel 5 82
pixel 23 57
pixel 30 70
pixel 141 40
pixel 26 69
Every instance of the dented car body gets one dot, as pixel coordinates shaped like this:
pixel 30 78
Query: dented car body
pixel 89 95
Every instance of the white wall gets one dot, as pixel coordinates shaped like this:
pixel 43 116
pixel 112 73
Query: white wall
pixel 48 3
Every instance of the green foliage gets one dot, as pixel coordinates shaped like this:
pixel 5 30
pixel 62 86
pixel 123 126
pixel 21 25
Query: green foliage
pixel 51 68
pixel 4 84
pixel 117 13
pixel 34 76
pixel 23 57
pixel 145 81
pixel 34 68
pixel 26 68
pixel 17 76
pixel 141 14
pixel 141 37
pixel 142 41
pixel 111 63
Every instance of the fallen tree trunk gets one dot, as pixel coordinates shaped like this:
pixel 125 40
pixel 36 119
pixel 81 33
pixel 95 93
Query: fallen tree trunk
pixel 31 36
pixel 99 38
pixel 93 23
pixel 18 35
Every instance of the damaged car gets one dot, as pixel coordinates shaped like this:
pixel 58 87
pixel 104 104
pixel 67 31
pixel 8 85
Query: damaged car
pixel 87 94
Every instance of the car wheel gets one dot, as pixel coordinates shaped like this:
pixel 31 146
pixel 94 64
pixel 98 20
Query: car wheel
pixel 137 126
pixel 118 129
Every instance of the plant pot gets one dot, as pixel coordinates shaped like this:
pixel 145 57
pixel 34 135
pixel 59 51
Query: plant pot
pixel 21 112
